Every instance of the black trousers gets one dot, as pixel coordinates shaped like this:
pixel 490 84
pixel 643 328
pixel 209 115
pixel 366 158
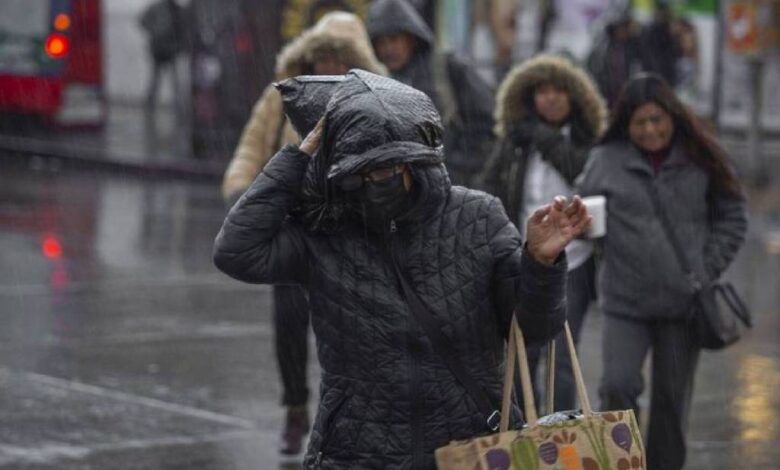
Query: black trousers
pixel 291 331
pixel 158 68
pixel 626 343
pixel 580 292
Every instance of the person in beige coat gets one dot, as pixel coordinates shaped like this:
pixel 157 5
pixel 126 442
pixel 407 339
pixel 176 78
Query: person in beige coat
pixel 337 43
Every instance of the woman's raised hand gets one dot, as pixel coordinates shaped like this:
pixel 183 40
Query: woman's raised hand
pixel 552 227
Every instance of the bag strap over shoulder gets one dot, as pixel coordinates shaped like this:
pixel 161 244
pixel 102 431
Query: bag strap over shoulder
pixel 448 354
pixel 670 235
pixel 725 289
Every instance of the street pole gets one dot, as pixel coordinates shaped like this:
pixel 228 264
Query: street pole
pixel 717 84
pixel 756 166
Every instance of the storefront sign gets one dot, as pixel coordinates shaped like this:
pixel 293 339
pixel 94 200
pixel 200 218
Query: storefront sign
pixel 753 26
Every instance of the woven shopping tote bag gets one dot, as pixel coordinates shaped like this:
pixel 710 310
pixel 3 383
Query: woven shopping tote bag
pixel 585 440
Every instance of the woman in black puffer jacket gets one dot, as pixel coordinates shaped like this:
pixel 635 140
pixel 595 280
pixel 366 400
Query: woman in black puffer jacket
pixel 387 399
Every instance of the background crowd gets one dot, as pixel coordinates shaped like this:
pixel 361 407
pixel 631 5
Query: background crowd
pixel 610 125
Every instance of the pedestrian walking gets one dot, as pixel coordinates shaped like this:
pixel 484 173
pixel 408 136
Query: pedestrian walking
pixel 656 149
pixel 335 44
pixel 163 22
pixel 548 116
pixel 660 46
pixel 407 254
pixel 405 44
pixel 615 56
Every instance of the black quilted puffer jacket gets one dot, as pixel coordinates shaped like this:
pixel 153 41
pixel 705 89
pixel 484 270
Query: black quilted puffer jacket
pixel 387 400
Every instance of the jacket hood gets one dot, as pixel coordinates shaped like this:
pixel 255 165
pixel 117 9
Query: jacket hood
pixel 515 93
pixel 398 16
pixel 373 121
pixel 340 33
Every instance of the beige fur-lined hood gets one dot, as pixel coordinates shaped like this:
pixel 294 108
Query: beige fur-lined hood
pixel 514 94
pixel 339 32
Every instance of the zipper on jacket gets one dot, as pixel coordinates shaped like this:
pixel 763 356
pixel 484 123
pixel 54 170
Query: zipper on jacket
pixel 416 406
pixel 327 431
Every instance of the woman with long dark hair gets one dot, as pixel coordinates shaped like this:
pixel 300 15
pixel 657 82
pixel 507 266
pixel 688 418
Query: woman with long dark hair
pixel 655 148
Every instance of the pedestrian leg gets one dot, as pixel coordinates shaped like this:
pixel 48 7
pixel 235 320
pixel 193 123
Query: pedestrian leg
pixel 152 88
pixel 626 342
pixel 291 322
pixel 534 353
pixel 675 357
pixel 291 325
pixel 579 295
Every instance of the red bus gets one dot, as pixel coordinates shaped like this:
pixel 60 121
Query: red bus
pixel 51 60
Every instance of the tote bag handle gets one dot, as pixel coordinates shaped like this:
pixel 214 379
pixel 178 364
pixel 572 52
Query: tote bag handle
pixel 516 349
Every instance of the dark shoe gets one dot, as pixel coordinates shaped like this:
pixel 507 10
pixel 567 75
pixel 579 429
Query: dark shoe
pixel 296 427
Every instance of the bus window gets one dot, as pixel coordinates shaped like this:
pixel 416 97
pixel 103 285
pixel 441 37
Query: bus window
pixel 50 60
pixel 24 30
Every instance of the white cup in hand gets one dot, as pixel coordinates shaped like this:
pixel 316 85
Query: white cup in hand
pixel 597 208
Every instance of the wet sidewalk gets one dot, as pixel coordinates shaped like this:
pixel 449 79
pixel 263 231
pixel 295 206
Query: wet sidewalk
pixel 123 348
pixel 131 139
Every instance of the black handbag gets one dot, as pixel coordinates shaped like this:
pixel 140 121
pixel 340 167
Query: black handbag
pixel 717 309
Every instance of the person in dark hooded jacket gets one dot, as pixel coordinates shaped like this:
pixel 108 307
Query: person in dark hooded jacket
pixel 660 47
pixel 405 44
pixel 616 55
pixel 387 399
pixel 549 114
pixel 337 43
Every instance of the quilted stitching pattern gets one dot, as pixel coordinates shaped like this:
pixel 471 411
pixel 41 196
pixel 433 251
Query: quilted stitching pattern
pixel 380 374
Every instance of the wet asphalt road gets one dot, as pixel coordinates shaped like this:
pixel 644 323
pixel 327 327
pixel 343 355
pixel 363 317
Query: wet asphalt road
pixel 121 347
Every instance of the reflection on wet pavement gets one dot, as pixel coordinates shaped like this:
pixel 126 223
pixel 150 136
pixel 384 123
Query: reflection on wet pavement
pixel 759 382
pixel 121 346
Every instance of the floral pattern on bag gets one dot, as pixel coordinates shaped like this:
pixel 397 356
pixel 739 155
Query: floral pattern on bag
pixel 603 441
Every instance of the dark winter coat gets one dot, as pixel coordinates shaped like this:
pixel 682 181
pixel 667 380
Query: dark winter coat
pixel 463 98
pixel 521 130
pixel 387 400
pixel 660 50
pixel 640 275
pixel 165 27
pixel 612 62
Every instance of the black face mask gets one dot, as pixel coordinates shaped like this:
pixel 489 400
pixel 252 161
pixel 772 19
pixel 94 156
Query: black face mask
pixel 385 200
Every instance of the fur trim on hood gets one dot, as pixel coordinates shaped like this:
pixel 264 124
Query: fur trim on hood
pixel 340 33
pixel 514 94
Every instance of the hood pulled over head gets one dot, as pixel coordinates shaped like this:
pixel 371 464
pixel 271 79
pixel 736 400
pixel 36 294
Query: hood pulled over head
pixel 398 16
pixel 374 122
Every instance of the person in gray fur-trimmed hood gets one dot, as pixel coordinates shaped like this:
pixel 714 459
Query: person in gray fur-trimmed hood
pixel 656 149
pixel 548 114
pixel 388 399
